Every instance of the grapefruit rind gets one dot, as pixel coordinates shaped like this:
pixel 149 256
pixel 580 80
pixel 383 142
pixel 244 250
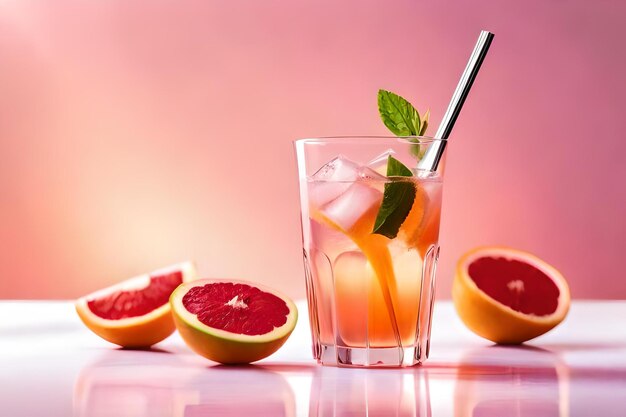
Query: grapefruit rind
pixel 140 331
pixel 223 346
pixel 495 321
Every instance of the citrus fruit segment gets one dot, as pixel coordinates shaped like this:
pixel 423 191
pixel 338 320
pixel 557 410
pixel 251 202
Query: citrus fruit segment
pixel 420 229
pixel 135 313
pixel 508 296
pixel 232 322
pixel 375 249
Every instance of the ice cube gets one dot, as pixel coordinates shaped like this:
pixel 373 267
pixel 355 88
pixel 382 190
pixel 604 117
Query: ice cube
pixel 379 163
pixel 367 173
pixel 373 178
pixel 338 169
pixel 352 205
pixel 332 180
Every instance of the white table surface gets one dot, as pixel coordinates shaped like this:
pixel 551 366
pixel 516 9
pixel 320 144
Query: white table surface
pixel 51 365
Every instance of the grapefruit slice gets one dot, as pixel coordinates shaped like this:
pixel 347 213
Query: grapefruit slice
pixel 508 296
pixel 135 313
pixel 353 214
pixel 420 229
pixel 232 322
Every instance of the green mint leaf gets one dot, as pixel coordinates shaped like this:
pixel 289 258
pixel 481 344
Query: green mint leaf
pixel 416 150
pixel 396 168
pixel 398 199
pixel 425 122
pixel 419 151
pixel 398 114
pixel 402 118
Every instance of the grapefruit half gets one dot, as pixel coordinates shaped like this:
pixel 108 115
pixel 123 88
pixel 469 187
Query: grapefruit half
pixel 508 296
pixel 135 313
pixel 232 322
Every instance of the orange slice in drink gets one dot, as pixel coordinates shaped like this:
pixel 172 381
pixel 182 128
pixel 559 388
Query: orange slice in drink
pixel 357 221
pixel 508 296
pixel 420 229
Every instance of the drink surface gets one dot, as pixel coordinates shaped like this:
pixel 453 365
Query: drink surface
pixel 367 287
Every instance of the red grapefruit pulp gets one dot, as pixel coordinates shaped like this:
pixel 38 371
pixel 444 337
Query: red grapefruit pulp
pixel 136 312
pixel 137 302
pixel 232 321
pixel 516 284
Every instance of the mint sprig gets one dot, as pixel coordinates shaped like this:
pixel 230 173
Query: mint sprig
pixel 398 199
pixel 398 114
pixel 425 122
pixel 403 120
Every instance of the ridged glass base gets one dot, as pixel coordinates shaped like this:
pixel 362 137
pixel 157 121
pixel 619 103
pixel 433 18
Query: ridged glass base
pixel 371 357
pixel 351 328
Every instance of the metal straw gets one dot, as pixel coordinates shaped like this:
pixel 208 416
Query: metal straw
pixel 433 154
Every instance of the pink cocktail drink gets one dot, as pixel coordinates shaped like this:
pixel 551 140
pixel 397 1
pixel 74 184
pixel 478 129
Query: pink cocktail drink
pixel 370 294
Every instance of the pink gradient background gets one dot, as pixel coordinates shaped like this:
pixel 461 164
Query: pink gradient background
pixel 138 134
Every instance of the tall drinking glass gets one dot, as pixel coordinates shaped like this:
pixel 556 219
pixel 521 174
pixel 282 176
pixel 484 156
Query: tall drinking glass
pixel 370 294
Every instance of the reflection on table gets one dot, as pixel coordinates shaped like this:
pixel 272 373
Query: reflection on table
pixel 488 381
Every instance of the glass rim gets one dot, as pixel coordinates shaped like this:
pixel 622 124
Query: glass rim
pixel 409 140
